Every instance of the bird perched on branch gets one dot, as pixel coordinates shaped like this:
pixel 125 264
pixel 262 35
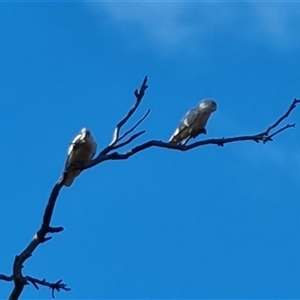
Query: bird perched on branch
pixel 194 122
pixel 81 150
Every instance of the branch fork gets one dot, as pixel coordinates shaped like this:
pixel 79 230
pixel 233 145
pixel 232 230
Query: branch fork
pixel 106 154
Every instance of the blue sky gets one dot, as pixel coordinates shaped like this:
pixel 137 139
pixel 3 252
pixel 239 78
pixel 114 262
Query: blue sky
pixel 210 223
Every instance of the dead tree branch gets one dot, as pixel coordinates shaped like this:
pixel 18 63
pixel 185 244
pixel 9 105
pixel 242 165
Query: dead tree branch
pixel 139 94
pixel 135 126
pixel 264 136
pixel 41 235
pixel 290 109
pixel 56 286
pixel 6 278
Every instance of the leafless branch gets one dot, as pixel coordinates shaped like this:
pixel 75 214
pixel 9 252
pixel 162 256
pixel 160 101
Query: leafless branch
pixel 290 109
pixel 6 278
pixel 135 126
pixel 40 237
pixel 133 137
pixel 264 137
pixel 106 154
pixel 56 286
pixel 269 137
pixel 139 94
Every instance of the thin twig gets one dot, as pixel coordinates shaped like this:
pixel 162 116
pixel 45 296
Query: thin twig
pixel 56 286
pixel 139 94
pixel 6 278
pixel 290 109
pixel 135 126
pixel 269 137
pixel 133 137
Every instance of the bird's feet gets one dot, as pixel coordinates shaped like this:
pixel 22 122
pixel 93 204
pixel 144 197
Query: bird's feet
pixel 203 131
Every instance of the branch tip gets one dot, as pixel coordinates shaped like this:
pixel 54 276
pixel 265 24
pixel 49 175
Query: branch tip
pixel 55 229
pixel 46 239
pixel 139 94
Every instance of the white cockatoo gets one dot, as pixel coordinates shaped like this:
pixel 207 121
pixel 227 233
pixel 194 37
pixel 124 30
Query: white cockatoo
pixel 194 122
pixel 81 150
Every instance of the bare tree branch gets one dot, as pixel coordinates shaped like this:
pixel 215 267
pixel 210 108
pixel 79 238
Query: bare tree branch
pixel 269 138
pixel 291 108
pixel 264 137
pixel 6 278
pixel 133 137
pixel 41 236
pixel 136 125
pixel 139 94
pixel 56 286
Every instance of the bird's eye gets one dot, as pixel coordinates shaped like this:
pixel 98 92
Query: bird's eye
pixel 214 103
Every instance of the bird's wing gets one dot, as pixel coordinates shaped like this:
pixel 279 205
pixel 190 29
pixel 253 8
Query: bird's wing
pixel 81 150
pixel 186 123
pixel 73 149
pixel 199 124
pixel 189 119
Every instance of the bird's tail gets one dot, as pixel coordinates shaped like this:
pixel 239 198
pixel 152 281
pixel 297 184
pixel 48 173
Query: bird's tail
pixel 70 177
pixel 174 140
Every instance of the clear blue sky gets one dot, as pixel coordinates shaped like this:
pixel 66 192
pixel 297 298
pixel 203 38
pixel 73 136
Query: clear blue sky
pixel 210 223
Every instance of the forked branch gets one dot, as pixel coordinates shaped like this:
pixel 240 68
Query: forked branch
pixel 139 94
pixel 56 286
pixel 106 154
pixel 40 237
pixel 264 136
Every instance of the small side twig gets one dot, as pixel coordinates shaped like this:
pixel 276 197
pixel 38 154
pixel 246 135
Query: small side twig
pixel 6 278
pixel 139 94
pixel 290 109
pixel 270 137
pixel 135 126
pixel 128 141
pixel 56 286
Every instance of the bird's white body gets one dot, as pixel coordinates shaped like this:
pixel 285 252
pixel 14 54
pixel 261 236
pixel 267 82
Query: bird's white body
pixel 194 121
pixel 81 150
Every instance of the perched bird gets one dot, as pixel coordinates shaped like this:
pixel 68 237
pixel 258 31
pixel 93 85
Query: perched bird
pixel 194 122
pixel 81 150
